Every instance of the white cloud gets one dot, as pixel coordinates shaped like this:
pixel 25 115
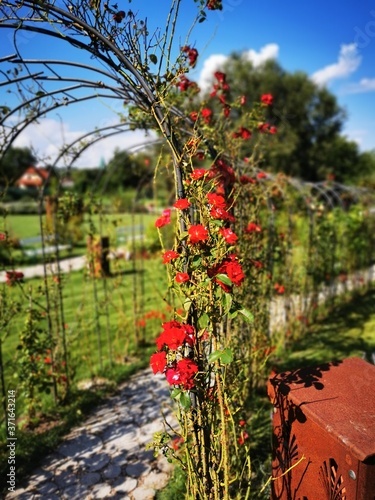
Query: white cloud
pixel 269 51
pixel 216 62
pixel 364 85
pixel 347 63
pixel 48 136
pixel 210 65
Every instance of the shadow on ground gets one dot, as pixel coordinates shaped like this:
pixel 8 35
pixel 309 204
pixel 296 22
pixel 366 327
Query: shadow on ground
pixel 349 330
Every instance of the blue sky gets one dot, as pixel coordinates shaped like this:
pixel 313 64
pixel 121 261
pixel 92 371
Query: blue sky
pixel 332 41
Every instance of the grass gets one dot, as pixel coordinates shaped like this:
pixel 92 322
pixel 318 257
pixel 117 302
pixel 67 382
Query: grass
pixel 98 332
pixel 348 330
pixel 22 226
pixel 118 227
pixel 28 226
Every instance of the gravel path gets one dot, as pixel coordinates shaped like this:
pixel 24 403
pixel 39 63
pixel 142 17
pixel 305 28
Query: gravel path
pixel 106 457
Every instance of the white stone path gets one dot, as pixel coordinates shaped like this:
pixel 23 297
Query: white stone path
pixel 106 457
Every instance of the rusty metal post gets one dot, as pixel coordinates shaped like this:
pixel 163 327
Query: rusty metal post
pixel 104 256
pixel 324 432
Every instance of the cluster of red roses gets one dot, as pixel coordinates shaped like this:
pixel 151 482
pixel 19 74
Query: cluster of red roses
pixel 185 84
pixel 231 268
pixel 164 219
pixel 214 5
pixel 56 369
pixel 180 370
pixel 12 277
pixel 191 54
pixel 150 315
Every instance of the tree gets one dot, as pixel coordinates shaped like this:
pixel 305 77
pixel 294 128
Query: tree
pixel 14 163
pixel 124 171
pixel 308 119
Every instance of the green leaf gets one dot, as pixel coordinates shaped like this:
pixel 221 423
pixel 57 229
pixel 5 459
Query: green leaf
pixel 185 401
pixel 227 302
pixel 227 356
pixel 214 356
pixel 175 393
pixel 203 320
pixel 249 317
pixel 153 58
pixel 224 279
pixel 196 261
pixel 233 314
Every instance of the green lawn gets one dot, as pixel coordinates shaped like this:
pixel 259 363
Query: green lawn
pixel 28 226
pixel 95 334
pixel 21 226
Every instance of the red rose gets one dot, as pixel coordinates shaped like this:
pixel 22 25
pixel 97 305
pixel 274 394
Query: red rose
pixel 235 272
pixel 198 173
pixel 229 236
pixel 263 127
pixel 173 338
pixel 184 84
pixel 194 116
pixel 12 277
pixel 253 228
pixel 175 334
pixel 221 214
pixel 267 99
pixel 182 277
pixel 214 5
pixel 216 200
pixel 243 437
pixel 280 289
pixel 226 110
pixel 206 114
pixel 192 55
pixel 158 362
pixel 182 374
pixel 182 204
pixel 164 219
pixel 173 376
pixel 187 370
pixel 243 133
pixel 197 233
pixel 170 255
pixel 221 77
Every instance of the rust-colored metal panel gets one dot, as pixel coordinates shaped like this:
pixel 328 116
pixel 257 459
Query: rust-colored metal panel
pixel 324 432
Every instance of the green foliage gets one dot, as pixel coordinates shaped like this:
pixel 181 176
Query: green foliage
pixel 32 362
pixel 14 163
pixel 308 143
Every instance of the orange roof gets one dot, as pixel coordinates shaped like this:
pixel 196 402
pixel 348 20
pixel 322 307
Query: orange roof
pixel 33 177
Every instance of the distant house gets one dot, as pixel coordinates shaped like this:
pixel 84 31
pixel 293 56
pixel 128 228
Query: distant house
pixel 33 178
pixel 67 183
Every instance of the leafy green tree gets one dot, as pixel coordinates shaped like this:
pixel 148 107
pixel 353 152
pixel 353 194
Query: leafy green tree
pixel 14 163
pixel 125 171
pixel 308 143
